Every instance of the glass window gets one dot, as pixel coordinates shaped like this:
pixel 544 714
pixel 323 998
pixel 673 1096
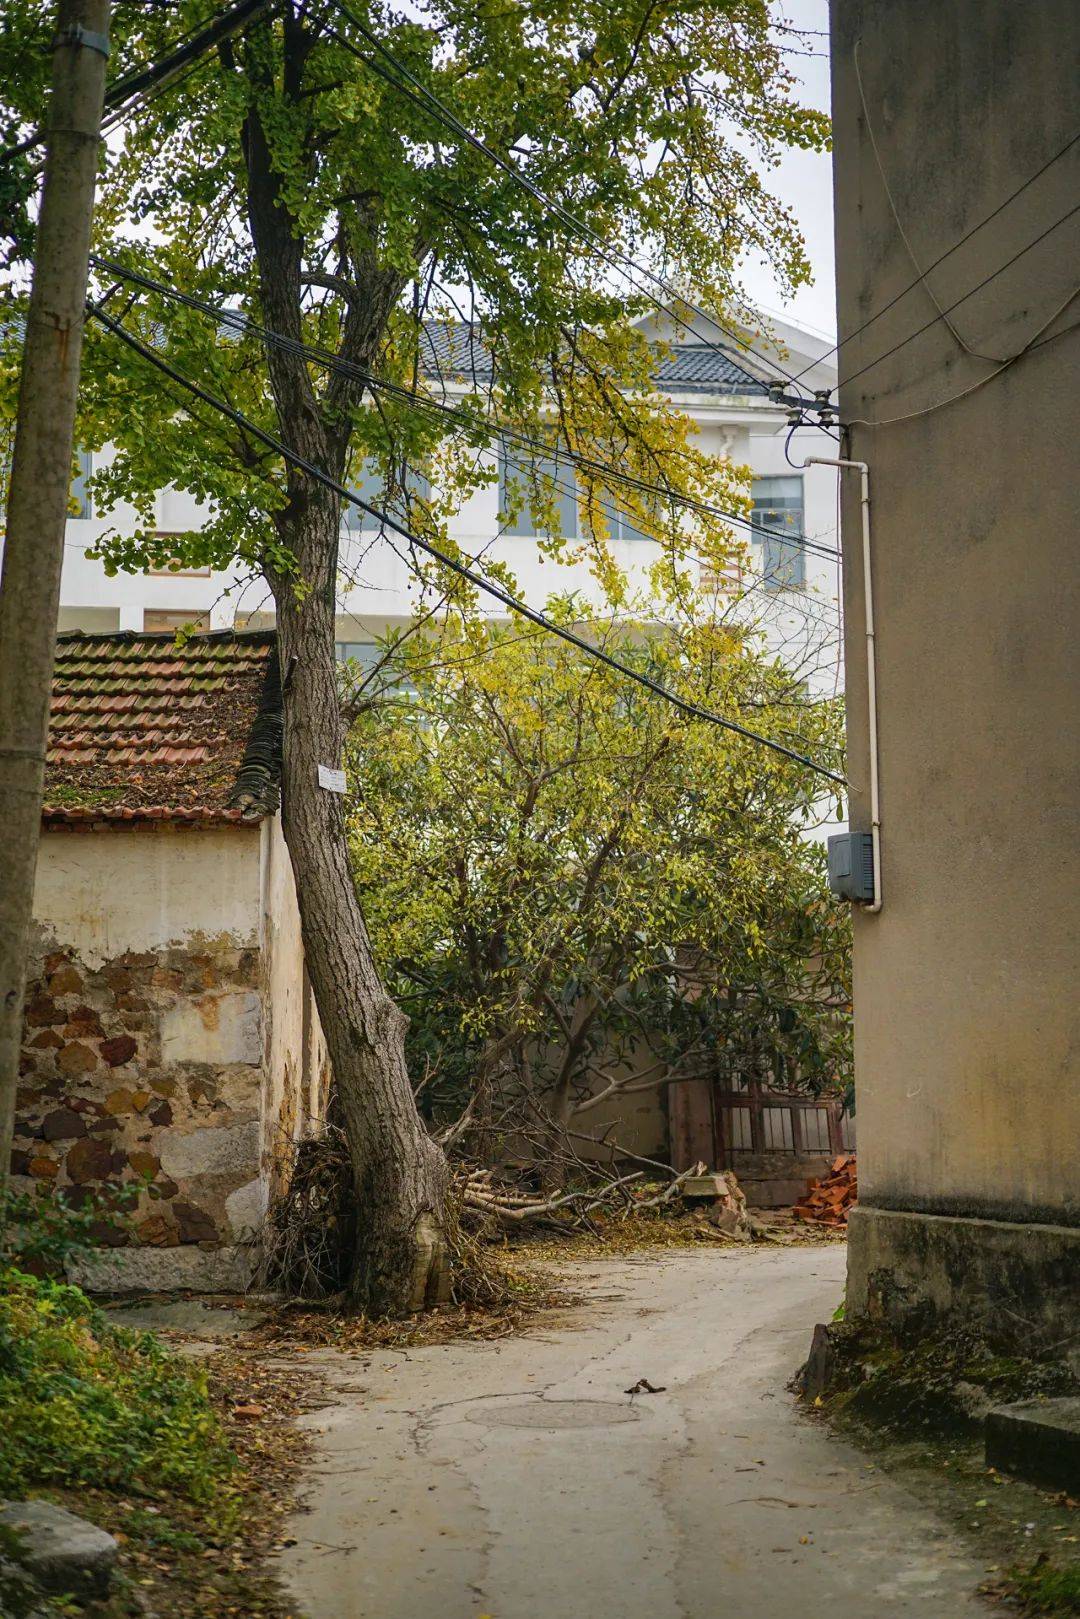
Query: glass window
pixel 79 502
pixel 164 618
pixel 515 472
pixel 621 525
pixel 358 659
pixel 371 486
pixel 778 517
pixel 365 653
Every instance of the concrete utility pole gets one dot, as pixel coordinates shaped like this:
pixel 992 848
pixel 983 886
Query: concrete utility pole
pixel 38 496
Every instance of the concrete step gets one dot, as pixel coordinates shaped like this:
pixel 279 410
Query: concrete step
pixel 1038 1440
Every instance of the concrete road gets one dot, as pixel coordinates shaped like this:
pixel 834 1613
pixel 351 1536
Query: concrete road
pixel 519 1480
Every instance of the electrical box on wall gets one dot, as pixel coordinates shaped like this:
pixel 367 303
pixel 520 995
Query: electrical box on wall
pixel 851 866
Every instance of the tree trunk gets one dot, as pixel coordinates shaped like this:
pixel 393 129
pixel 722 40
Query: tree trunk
pixel 401 1174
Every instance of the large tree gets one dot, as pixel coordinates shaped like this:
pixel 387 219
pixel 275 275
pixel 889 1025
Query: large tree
pixel 297 174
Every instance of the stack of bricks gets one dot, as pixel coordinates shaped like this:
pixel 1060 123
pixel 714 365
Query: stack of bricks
pixel 827 1201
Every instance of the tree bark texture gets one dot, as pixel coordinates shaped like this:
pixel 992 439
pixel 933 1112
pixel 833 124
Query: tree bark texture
pixel 37 506
pixel 401 1175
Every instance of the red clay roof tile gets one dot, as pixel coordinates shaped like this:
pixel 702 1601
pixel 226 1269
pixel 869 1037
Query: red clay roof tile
pixel 144 729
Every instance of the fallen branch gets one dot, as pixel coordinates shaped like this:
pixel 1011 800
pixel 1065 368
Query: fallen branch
pixel 478 1192
pixel 669 1191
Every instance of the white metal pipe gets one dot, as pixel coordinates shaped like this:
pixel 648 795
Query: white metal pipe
pixel 871 662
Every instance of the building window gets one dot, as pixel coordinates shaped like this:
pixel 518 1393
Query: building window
pixel 79 502
pixel 778 518
pixel 363 653
pixel 371 486
pixel 358 659
pixel 167 618
pixel 620 525
pixel 517 474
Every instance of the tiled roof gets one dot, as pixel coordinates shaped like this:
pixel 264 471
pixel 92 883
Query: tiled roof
pixel 454 351
pixel 143 729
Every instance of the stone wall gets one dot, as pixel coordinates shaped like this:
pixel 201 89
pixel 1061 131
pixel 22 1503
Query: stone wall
pixel 171 1042
pixel 146 1071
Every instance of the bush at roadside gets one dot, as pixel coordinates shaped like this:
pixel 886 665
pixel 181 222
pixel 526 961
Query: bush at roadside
pixel 84 1402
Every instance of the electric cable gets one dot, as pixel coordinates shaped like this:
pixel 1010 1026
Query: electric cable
pixel 961 341
pixel 158 73
pixel 459 568
pixel 186 51
pixel 242 324
pixel 618 261
pixel 869 366
pixel 949 251
pixel 1029 347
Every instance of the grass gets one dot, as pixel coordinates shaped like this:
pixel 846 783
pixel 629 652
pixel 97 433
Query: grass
pixel 190 1465
pixel 1046 1589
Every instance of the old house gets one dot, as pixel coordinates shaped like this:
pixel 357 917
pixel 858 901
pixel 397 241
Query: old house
pixel 171 1041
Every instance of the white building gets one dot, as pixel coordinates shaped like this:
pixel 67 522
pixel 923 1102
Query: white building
pixel 793 591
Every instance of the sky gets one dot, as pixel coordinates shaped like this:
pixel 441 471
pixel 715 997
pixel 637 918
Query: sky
pixel 803 181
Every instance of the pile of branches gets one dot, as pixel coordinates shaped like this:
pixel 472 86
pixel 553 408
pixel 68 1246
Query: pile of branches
pixel 309 1237
pixel 310 1234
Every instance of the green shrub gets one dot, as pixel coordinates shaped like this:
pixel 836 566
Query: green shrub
pixel 84 1402
pixel 40 1231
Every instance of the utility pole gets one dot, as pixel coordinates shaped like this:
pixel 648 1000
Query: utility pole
pixel 38 497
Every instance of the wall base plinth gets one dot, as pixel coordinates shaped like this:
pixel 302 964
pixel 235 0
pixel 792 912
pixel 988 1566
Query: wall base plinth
pixel 1016 1285
pixel 165 1270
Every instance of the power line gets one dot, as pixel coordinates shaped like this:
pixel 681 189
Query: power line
pixel 241 323
pixel 617 260
pixel 846 381
pixel 949 251
pixel 1037 341
pixel 189 47
pixel 159 72
pixel 459 568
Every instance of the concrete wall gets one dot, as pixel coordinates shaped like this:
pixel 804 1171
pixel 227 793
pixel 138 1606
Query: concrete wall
pixel 966 1013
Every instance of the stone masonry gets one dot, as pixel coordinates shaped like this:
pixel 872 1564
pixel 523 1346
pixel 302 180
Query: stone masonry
pixel 146 1072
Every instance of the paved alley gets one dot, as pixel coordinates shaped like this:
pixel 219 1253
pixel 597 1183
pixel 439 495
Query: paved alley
pixel 519 1480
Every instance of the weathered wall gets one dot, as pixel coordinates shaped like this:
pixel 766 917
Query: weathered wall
pixel 144 1067
pixel 111 889
pixel 966 1013
pixel 296 1075
pixel 171 1042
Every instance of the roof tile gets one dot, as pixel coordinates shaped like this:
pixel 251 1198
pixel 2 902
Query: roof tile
pixel 455 351
pixel 144 729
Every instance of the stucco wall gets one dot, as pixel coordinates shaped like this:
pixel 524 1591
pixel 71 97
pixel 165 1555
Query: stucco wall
pixel 966 1012
pixel 296 1075
pixel 109 890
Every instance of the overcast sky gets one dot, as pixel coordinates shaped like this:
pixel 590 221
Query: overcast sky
pixel 804 182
